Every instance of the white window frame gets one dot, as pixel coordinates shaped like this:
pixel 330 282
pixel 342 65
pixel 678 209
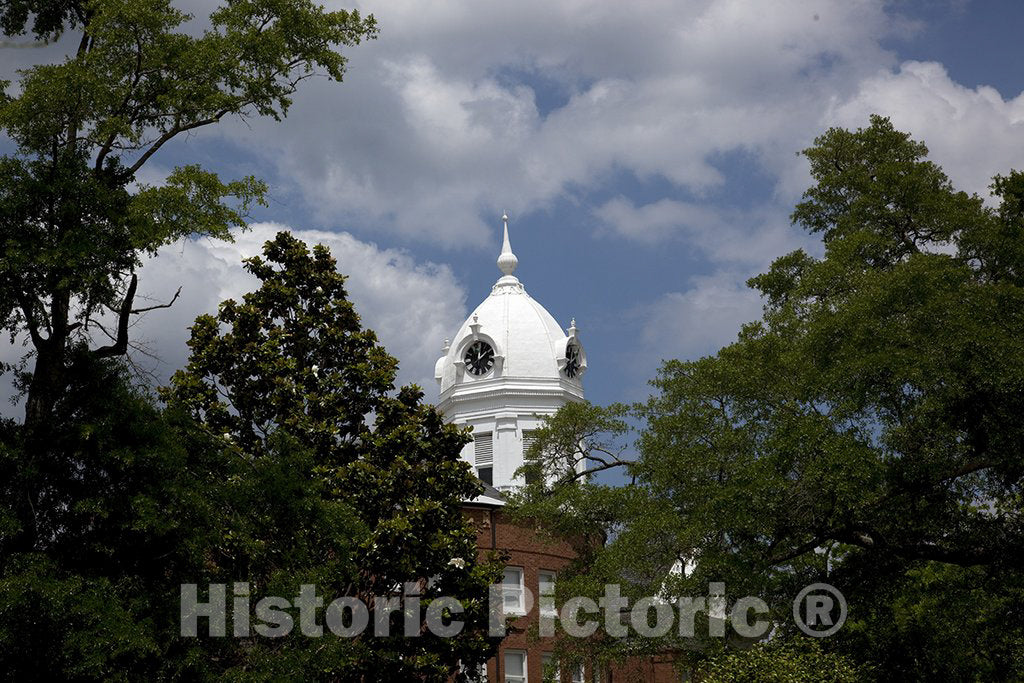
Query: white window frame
pixel 545 659
pixel 515 590
pixel 516 679
pixel 541 593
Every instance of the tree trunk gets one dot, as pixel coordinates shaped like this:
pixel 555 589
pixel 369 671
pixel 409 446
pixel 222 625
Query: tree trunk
pixel 45 387
pixel 48 377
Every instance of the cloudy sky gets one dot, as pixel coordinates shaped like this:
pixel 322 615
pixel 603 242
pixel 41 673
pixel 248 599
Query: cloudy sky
pixel 646 153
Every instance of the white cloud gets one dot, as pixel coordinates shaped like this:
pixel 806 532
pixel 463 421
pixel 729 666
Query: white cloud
pixel 411 306
pixel 464 108
pixel 437 127
pixel 751 238
pixel 438 122
pixel 972 133
pixel 698 321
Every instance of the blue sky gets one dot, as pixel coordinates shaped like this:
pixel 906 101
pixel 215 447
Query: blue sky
pixel 645 152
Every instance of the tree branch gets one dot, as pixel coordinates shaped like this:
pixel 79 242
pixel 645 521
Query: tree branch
pixel 30 320
pixel 175 130
pixel 136 78
pixel 120 347
pixel 153 308
pixel 871 540
pixel 592 470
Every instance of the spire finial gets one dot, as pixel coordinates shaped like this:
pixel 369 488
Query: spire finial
pixel 507 261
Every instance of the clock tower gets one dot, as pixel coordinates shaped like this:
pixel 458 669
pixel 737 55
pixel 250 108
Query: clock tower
pixel 508 366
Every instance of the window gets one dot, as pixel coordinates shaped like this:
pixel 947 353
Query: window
pixel 480 673
pixel 483 457
pixel 546 582
pixel 528 441
pixel 546 591
pixel 549 667
pixel 529 438
pixel 515 667
pixel 577 673
pixel 512 591
pixel 532 477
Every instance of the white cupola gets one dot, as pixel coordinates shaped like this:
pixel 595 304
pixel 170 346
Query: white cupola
pixel 509 365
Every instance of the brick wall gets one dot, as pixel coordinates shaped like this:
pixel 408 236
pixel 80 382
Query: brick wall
pixel 527 548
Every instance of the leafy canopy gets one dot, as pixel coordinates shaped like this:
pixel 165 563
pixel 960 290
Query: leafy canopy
pixel 284 456
pixel 73 220
pixel 867 426
pixel 292 362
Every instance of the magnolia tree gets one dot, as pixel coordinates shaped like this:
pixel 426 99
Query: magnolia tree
pixel 290 367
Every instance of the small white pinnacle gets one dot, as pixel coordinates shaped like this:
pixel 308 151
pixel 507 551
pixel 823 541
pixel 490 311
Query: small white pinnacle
pixel 507 261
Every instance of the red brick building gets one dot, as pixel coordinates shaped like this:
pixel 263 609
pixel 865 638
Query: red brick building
pixel 534 564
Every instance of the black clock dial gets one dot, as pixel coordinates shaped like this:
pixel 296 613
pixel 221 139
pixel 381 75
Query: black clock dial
pixel 572 360
pixel 479 358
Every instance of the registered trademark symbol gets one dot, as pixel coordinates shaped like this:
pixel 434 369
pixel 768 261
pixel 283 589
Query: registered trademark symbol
pixel 818 602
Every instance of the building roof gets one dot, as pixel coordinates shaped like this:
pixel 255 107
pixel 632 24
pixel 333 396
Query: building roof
pixel 490 497
pixel 526 339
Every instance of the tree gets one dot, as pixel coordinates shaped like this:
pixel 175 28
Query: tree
pixel 72 225
pixel 122 512
pixel 283 457
pixel 291 364
pixel 865 428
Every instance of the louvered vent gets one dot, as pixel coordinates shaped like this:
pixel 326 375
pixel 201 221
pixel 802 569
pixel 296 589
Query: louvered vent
pixel 528 440
pixel 483 449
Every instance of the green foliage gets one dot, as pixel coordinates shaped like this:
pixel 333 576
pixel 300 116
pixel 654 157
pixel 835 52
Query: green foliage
pixel 797 661
pixel 866 428
pixel 292 362
pixel 316 472
pixel 73 225
pixel 49 18
pixel 110 504
pixel 874 187
pixel 295 358
pixel 138 79
pixel 99 520
pixel 935 622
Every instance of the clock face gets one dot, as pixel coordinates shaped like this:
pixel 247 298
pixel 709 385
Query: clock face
pixel 479 358
pixel 572 360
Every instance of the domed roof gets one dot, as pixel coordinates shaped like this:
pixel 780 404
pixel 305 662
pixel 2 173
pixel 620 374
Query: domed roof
pixel 524 338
